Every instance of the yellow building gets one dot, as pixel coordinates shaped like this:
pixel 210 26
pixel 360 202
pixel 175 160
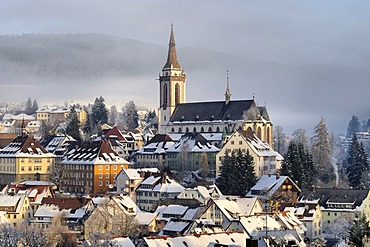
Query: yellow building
pixel 54 116
pixel 17 209
pixel 266 160
pixel 25 159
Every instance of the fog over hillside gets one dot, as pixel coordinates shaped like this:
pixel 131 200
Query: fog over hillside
pixel 55 68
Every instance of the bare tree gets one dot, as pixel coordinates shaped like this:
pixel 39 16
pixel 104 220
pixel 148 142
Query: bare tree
pixel 280 140
pixel 203 165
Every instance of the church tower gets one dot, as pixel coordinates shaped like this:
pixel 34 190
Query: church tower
pixel 171 86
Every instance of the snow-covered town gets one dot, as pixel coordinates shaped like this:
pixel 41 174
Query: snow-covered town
pixel 205 173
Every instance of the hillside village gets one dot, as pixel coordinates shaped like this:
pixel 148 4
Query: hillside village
pixel 164 182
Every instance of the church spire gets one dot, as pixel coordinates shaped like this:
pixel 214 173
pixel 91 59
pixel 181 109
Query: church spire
pixel 227 92
pixel 172 62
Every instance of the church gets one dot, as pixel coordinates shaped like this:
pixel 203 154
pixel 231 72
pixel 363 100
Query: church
pixel 175 115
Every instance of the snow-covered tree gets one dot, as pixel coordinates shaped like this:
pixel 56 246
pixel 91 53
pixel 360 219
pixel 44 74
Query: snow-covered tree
pixel 353 126
pixel 280 144
pixel 203 165
pixel 87 129
pixel 357 165
pixel 321 151
pixel 299 136
pixel 359 231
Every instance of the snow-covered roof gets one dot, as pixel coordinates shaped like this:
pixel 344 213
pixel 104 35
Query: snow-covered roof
pixel 233 207
pixel 9 201
pixel 126 204
pixel 144 218
pixel 270 184
pixel 175 226
pixel 208 240
pixel 175 210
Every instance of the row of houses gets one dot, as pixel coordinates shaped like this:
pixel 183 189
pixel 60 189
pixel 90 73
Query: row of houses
pixel 191 213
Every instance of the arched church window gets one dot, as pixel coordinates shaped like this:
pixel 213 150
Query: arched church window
pixel 180 130
pixel 187 130
pixel 194 130
pixel 202 130
pixel 268 135
pixel 259 132
pixel 210 129
pixel 218 129
pixel 165 92
pixel 172 130
pixel 177 93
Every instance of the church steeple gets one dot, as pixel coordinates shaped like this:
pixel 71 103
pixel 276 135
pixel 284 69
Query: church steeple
pixel 172 86
pixel 227 92
pixel 172 62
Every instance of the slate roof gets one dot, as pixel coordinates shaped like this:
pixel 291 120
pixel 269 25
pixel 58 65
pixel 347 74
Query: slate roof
pixel 172 57
pixel 216 110
pixel 26 145
pixel 326 196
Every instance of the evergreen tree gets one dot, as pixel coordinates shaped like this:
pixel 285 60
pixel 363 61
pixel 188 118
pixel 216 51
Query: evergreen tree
pixel 87 130
pixel 357 165
pixel 368 125
pixel 131 116
pixel 113 115
pixel 237 174
pixel 298 165
pixel 353 126
pixel 35 106
pixel 28 109
pixel 73 124
pixel 321 152
pixel 359 231
pixel 99 112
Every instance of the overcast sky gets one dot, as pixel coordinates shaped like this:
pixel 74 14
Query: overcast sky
pixel 327 42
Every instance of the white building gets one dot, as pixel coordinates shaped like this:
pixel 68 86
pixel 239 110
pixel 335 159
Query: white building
pixel 155 188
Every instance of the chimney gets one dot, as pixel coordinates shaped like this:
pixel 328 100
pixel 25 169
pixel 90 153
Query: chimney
pixel 313 188
pixel 277 175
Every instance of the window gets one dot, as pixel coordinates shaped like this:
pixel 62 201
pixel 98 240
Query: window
pixel 106 183
pixel 114 167
pixel 177 93
pixel 100 167
pixel 232 142
pixel 107 175
pixel 107 167
pixel 22 168
pixel 100 183
pixel 30 168
pixel 100 175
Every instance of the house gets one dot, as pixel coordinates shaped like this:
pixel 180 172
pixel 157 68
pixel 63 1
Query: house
pixel 266 160
pixel 223 212
pixel 177 116
pixel 25 159
pixel 155 188
pixel 115 216
pixel 147 223
pixel 201 193
pixel 59 145
pixel 129 179
pixel 126 139
pixel 153 154
pixel 275 226
pixel 187 153
pixel 310 215
pixel 71 210
pixel 337 203
pixel 53 116
pixel 36 191
pixel 91 167
pixel 16 209
pixel 274 190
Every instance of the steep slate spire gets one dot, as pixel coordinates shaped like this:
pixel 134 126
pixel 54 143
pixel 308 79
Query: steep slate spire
pixel 172 62
pixel 227 93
